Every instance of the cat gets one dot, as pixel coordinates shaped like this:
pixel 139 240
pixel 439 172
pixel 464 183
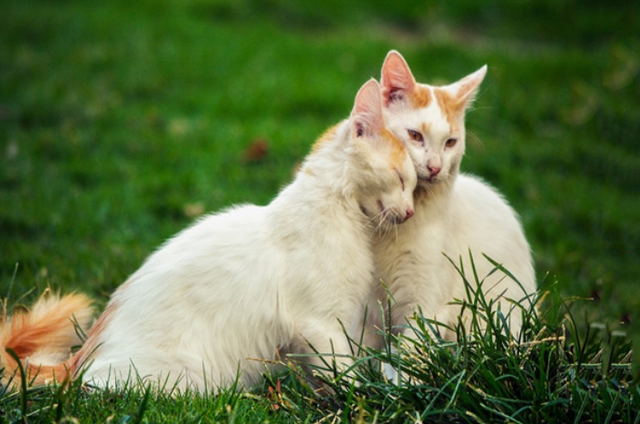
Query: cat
pixel 459 218
pixel 248 284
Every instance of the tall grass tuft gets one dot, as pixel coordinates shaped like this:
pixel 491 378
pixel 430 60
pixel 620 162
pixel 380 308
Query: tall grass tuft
pixel 557 370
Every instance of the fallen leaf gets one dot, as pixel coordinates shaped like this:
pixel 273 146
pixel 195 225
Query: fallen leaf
pixel 257 150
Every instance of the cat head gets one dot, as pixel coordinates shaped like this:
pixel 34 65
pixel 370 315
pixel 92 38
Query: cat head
pixel 428 119
pixel 383 172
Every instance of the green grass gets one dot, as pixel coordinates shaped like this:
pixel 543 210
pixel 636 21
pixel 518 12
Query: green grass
pixel 119 119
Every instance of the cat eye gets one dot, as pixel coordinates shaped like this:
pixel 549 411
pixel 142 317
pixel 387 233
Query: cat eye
pixel 416 136
pixel 451 142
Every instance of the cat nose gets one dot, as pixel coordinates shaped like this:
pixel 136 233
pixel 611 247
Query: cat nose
pixel 435 170
pixel 408 214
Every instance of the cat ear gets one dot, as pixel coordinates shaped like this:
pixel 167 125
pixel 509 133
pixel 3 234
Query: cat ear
pixel 366 116
pixel 396 80
pixel 466 89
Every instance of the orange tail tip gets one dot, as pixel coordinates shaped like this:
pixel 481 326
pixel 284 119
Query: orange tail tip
pixel 43 336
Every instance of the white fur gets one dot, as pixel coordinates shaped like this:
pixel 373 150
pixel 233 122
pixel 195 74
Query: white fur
pixel 455 216
pixel 251 283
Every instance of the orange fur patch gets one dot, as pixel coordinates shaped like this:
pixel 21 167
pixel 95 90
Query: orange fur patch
pixel 47 325
pixel 327 136
pixel 451 108
pixel 420 97
pixel 47 328
pixel 398 152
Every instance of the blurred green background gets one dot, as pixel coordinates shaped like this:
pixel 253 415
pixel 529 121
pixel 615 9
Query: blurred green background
pixel 121 122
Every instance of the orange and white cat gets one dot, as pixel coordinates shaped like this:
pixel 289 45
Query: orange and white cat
pixel 251 282
pixel 457 215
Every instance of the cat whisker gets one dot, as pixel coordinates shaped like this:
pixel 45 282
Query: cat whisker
pixel 381 219
pixel 375 221
pixel 380 229
pixel 386 224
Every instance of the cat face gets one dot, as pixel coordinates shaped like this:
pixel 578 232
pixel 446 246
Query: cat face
pixel 428 119
pixel 383 171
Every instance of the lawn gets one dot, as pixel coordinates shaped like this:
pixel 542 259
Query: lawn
pixel 121 122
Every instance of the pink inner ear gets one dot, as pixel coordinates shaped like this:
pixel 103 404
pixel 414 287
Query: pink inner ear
pixel 397 79
pixel 367 110
pixel 467 87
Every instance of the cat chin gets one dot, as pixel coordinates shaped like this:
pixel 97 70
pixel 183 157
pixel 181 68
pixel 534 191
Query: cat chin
pixel 427 182
pixel 431 186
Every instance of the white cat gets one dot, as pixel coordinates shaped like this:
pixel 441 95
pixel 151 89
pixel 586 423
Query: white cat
pixel 252 282
pixel 456 215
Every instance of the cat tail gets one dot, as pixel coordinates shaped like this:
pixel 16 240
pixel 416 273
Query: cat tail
pixel 39 340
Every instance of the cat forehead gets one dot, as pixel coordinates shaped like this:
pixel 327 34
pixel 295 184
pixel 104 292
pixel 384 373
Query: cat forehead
pixel 397 155
pixel 436 103
pixel 421 97
pixel 385 150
